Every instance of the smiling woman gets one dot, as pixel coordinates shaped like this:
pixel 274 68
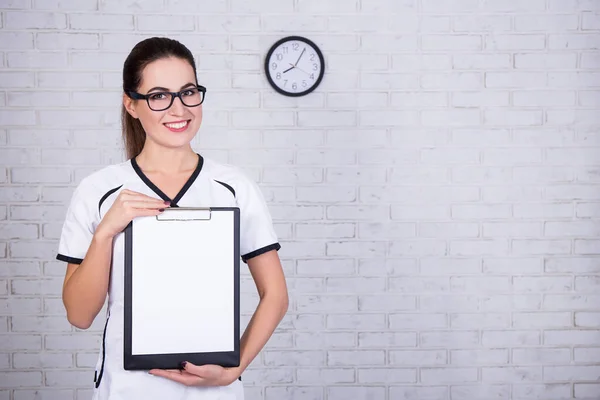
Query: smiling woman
pixel 161 114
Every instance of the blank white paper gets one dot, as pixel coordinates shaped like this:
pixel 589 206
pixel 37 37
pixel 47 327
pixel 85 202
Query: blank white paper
pixel 183 285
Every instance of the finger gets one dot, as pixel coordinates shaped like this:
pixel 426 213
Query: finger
pixel 145 199
pixel 143 204
pixel 207 371
pixel 146 213
pixel 177 376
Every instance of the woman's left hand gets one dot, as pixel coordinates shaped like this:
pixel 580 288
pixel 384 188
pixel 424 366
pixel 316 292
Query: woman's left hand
pixel 199 375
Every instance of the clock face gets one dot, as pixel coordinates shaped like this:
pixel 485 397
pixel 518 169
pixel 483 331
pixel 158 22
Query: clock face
pixel 294 66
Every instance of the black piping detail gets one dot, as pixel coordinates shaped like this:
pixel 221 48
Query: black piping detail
pixel 227 186
pixel 70 260
pixel 191 180
pixel 262 250
pixel 111 191
pixel 103 353
pixel 159 192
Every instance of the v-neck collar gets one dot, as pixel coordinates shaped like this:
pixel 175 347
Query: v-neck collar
pixel 159 192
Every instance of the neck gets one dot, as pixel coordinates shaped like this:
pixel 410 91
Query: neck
pixel 154 158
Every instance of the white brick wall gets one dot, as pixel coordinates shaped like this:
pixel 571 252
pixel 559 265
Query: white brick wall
pixel 437 197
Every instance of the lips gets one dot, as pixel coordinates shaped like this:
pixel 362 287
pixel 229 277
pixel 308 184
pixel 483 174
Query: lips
pixel 178 126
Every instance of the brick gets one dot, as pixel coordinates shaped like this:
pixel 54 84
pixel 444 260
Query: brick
pixel 419 392
pixel 419 62
pixel 356 23
pixel 16 379
pixel 489 391
pixel 433 376
pixel 386 302
pixel 357 357
pixel 387 339
pixel 452 42
pixel 587 319
pixel 16 4
pixel 475 99
pixel 567 373
pixel 323 340
pixel 574 41
pixel 18 231
pixel 475 321
pixel 17 79
pixel 510 338
pixel 515 79
pixel 165 23
pixel 452 81
pixel 573 80
pixel 331 303
pixel 482 23
pixel 387 266
pixel 294 393
pixel 513 117
pixel 479 357
pixel 383 81
pixel 357 392
pixel 325 375
pixel 316 194
pixel 449 339
pixel 45 361
pixel 38 99
pixel 419 99
pixel 20 342
pixel 504 374
pixel 385 6
pixel 35 20
pixel 19 156
pixel 16 41
pixel 326 118
pixel 66 41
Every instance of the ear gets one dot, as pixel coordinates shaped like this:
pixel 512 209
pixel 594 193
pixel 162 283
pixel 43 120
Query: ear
pixel 129 106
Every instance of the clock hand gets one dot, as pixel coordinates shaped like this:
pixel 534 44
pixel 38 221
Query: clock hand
pixel 303 50
pixel 292 67
pixel 302 70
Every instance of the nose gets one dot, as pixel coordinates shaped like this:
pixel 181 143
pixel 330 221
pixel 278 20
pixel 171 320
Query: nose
pixel 177 108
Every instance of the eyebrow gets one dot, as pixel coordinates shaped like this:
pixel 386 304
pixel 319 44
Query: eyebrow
pixel 163 89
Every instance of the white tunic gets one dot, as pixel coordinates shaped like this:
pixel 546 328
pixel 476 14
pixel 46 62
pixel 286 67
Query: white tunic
pixel 212 184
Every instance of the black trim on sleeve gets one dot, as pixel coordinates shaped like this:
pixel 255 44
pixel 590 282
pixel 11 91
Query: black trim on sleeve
pixel 255 253
pixel 111 191
pixel 70 260
pixel 228 187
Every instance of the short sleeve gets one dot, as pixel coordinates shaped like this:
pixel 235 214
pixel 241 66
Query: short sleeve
pixel 78 227
pixel 257 234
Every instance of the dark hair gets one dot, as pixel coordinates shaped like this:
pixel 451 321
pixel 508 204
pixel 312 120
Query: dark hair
pixel 141 55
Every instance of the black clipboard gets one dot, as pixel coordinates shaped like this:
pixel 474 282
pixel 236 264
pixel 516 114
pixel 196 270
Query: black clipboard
pixel 194 255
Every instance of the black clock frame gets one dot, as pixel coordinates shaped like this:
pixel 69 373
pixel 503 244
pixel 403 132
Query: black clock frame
pixel 300 39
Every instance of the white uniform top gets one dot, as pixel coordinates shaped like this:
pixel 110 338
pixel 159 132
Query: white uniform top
pixel 211 184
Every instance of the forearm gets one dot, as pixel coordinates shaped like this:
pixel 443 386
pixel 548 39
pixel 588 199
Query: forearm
pixel 269 313
pixel 85 290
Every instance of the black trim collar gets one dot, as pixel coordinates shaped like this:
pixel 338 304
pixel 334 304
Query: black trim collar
pixel 159 192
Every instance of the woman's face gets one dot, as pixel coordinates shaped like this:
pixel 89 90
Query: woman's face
pixel 176 126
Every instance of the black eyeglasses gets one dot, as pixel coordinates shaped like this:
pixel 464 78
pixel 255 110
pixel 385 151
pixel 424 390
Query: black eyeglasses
pixel 192 96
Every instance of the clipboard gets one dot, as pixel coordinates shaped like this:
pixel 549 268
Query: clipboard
pixel 182 292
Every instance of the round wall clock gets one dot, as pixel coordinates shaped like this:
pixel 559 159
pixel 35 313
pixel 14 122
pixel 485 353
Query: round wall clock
pixel 294 66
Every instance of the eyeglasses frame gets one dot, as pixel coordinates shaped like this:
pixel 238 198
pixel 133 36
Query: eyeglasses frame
pixel 139 96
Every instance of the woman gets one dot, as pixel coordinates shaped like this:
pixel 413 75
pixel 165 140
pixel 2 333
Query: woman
pixel 161 114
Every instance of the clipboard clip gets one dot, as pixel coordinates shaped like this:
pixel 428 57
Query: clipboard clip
pixel 185 214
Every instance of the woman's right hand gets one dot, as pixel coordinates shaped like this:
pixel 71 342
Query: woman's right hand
pixel 127 206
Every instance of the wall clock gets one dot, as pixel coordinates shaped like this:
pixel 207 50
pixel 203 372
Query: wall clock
pixel 294 66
